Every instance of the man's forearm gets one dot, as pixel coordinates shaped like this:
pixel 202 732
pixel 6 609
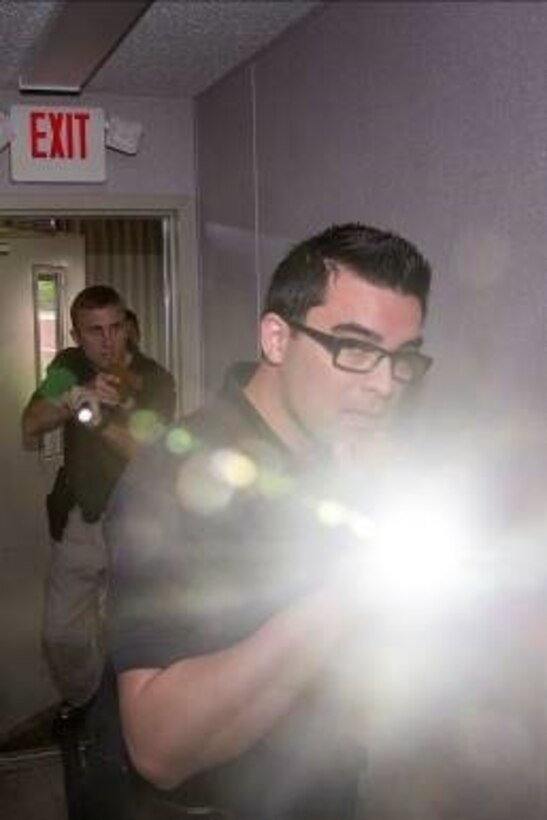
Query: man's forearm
pixel 207 710
pixel 41 416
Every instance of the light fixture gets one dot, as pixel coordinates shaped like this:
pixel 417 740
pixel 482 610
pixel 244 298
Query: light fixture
pixel 78 40
pixel 123 135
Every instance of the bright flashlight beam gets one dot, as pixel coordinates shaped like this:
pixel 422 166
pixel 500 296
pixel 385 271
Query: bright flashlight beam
pixel 85 414
pixel 418 556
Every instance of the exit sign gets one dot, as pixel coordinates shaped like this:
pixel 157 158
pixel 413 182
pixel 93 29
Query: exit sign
pixel 57 144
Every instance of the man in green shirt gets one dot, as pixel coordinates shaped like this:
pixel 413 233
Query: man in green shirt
pixel 94 392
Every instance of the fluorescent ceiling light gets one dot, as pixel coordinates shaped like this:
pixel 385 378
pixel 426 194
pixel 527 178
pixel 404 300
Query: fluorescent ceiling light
pixel 79 39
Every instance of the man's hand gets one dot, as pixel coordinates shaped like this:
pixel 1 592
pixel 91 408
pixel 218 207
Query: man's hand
pixel 106 388
pixel 43 415
pixel 114 390
pixel 78 399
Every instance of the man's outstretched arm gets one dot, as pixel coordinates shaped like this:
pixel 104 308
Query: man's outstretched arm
pixel 207 710
pixel 42 416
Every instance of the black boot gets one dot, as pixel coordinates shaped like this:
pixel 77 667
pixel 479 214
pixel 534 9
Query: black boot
pixel 69 731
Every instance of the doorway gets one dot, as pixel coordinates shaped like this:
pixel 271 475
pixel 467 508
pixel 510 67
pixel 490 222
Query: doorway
pixel 128 253
pixel 149 258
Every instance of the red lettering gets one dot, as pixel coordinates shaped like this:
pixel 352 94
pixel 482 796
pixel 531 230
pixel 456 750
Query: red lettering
pixel 56 147
pixel 59 134
pixel 82 119
pixel 69 136
pixel 36 135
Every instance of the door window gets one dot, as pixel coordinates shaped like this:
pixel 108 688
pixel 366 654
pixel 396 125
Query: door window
pixel 48 333
pixel 47 316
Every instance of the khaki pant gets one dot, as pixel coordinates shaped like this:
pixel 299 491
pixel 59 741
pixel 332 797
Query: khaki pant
pixel 74 609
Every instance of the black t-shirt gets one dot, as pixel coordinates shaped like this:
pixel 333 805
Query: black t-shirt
pixel 92 465
pixel 211 532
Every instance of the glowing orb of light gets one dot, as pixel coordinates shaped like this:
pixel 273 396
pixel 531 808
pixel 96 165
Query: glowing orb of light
pixel 179 441
pixel 145 426
pixel 199 490
pixel 85 414
pixel 331 512
pixel 420 556
pixel 233 468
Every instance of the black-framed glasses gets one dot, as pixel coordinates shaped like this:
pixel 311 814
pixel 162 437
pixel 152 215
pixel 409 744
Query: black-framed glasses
pixel 359 356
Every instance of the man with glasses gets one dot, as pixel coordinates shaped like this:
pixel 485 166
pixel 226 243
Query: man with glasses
pixel 232 607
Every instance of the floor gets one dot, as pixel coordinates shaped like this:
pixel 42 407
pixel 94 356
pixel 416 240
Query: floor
pixel 31 774
pixel 31 785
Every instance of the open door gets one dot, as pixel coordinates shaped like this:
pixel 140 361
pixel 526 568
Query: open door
pixel 39 277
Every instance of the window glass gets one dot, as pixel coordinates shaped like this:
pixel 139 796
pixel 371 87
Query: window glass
pixel 48 325
pixel 47 318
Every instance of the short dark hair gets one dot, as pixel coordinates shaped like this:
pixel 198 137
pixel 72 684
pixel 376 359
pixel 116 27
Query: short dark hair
pixel 131 317
pixel 133 322
pixel 95 296
pixel 300 280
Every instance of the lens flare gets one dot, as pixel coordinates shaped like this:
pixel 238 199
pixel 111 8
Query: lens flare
pixel 199 490
pixel 233 468
pixel 179 441
pixel 420 554
pixel 332 513
pixel 145 426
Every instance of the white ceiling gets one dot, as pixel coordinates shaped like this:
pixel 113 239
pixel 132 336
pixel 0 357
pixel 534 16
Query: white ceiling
pixel 177 48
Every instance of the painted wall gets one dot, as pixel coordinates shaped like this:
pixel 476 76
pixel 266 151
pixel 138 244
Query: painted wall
pixel 430 119
pixel 164 165
pixel 424 117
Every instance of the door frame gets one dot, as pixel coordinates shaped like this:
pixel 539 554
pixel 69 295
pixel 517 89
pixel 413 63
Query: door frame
pixel 181 280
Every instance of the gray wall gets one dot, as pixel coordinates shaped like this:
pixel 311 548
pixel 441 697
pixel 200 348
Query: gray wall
pixel 430 119
pixel 424 117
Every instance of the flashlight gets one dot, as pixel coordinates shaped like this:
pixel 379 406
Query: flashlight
pixel 85 413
